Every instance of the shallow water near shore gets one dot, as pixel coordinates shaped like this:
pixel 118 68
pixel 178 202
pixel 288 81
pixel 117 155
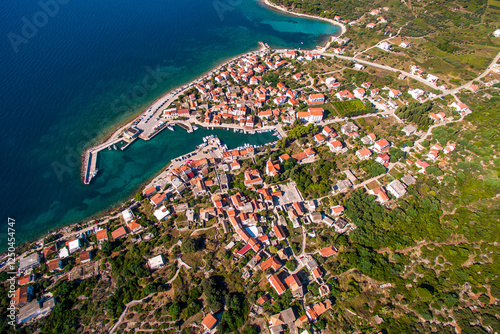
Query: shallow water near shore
pixel 91 66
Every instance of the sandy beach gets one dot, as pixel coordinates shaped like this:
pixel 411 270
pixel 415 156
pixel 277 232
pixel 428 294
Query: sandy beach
pixel 284 9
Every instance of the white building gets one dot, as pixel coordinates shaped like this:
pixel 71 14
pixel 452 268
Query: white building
pixel 335 145
pixel 496 33
pixel 431 78
pixel 128 215
pixel 384 46
pixel 359 93
pixel 74 245
pixel 63 253
pixel 416 93
pixel 409 130
pixel 359 67
pixel 30 261
pixel 156 262
pixel 458 106
pixel 396 188
pixel 393 93
pixel 161 213
pixel 330 81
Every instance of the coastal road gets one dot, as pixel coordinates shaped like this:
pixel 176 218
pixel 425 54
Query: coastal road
pixel 238 127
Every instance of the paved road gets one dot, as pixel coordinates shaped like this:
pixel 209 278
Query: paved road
pixel 467 85
pixel 418 78
pixel 384 67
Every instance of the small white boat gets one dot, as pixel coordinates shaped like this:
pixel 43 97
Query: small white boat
pixel 114 147
pixel 170 127
pixel 195 127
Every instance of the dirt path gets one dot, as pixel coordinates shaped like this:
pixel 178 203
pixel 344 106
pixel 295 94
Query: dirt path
pixel 124 313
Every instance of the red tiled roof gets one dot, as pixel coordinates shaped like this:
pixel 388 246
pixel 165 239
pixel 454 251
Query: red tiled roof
pixel 102 234
pixel 49 250
pixel 271 262
pixel 209 321
pixel 133 225
pixel 118 233
pixel 328 251
pixel 263 299
pixel 276 283
pixel 24 280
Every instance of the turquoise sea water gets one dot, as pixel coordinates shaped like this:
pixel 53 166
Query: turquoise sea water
pixel 70 76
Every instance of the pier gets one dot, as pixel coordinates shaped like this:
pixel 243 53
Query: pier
pixel 91 159
pixel 186 126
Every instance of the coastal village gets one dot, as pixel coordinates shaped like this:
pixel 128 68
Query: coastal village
pixel 250 210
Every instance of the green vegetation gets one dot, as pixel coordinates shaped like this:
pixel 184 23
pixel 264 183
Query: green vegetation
pixel 416 113
pixel 353 108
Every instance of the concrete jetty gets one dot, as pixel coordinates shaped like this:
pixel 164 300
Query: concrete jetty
pixel 91 159
pixel 185 125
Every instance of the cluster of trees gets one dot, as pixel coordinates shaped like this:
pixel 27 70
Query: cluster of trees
pixel 469 321
pixel 214 290
pixel 447 47
pixel 416 113
pixel 351 10
pixel 299 130
pixel 69 312
pixel 314 180
pixel 378 227
pixel 185 303
pixel 375 169
pixel 191 245
pixel 235 315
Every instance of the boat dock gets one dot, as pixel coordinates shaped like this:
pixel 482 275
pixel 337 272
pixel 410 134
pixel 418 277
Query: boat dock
pixel 91 159
pixel 186 126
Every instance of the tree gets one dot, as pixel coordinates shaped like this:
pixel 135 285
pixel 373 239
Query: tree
pixel 291 265
pixel 376 169
pixel 174 310
pixel 189 246
pixel 213 293
pixel 138 197
pixel 249 329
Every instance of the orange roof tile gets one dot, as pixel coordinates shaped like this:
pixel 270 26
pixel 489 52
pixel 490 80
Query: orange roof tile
pixel 101 234
pixel 328 251
pixel 209 321
pixel 118 233
pixel 276 284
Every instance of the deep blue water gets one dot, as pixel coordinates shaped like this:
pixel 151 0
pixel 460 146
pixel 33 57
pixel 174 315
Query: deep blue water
pixel 69 77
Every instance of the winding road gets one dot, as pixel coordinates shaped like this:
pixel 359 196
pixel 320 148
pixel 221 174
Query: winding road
pixel 416 77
